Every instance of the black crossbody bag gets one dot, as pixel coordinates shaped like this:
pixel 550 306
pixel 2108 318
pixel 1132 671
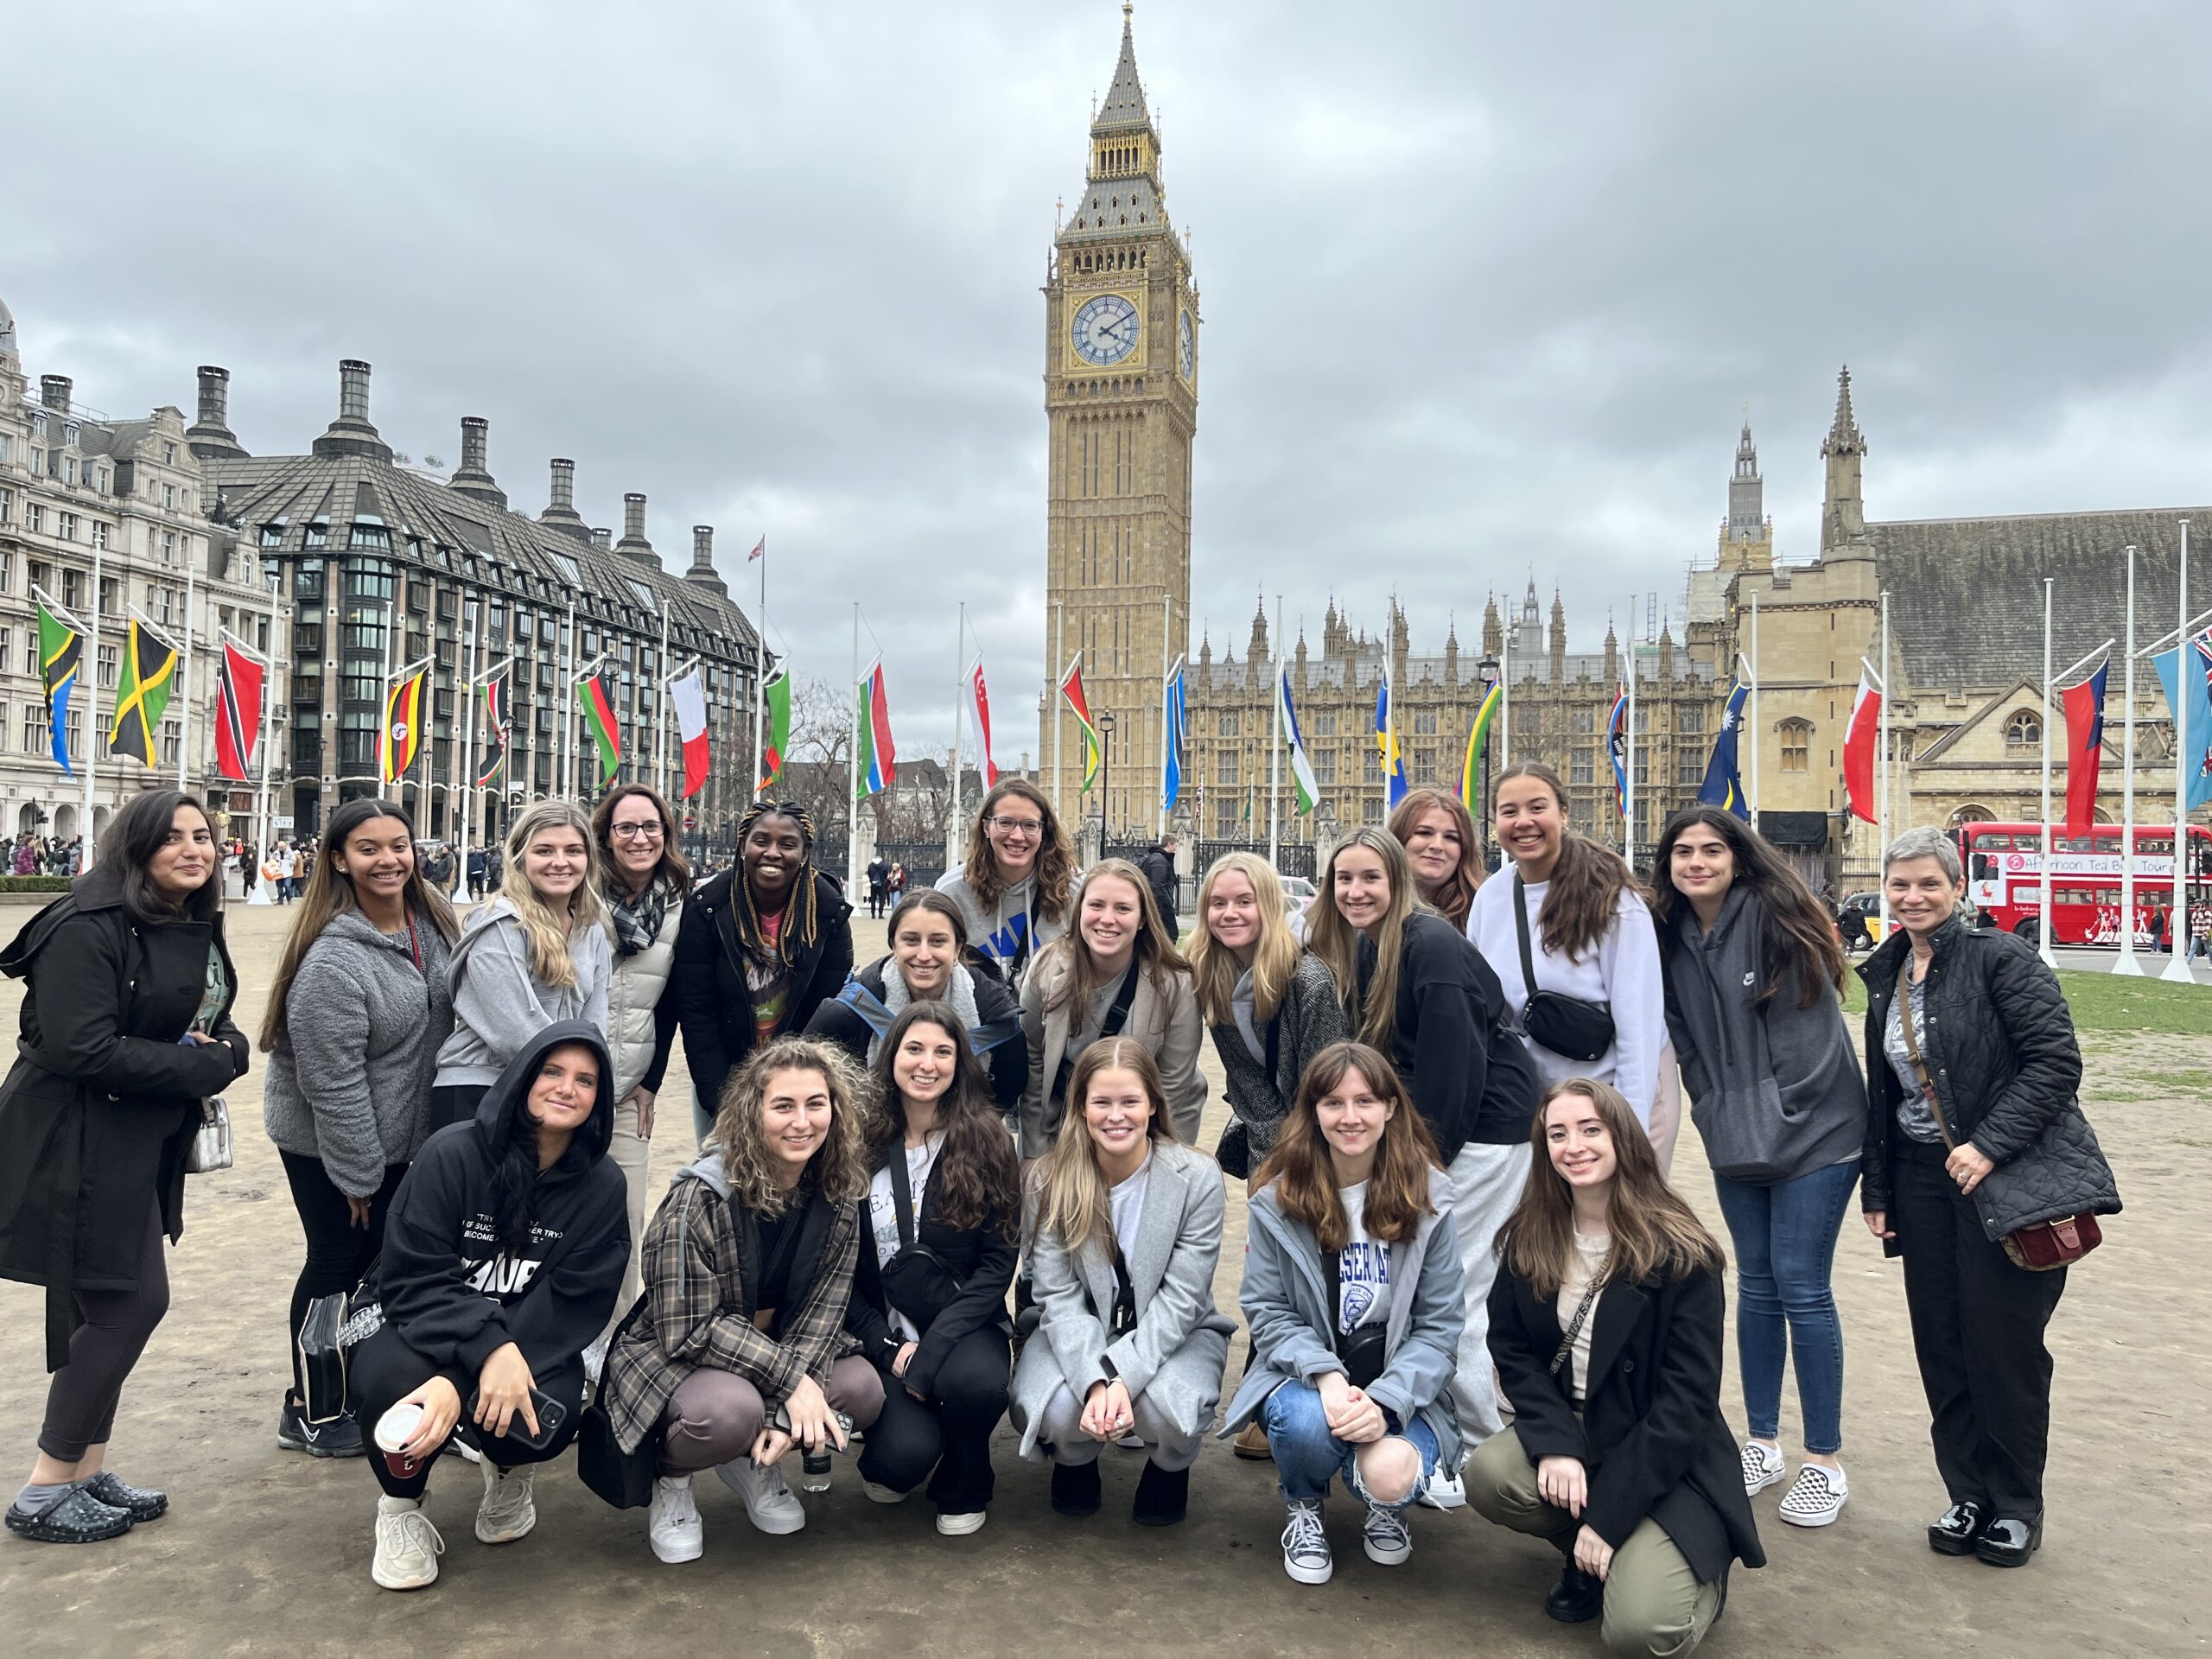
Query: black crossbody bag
pixel 1116 1017
pixel 1565 1025
pixel 1365 1349
pixel 915 1279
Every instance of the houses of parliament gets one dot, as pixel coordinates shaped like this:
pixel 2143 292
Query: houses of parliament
pixel 1124 328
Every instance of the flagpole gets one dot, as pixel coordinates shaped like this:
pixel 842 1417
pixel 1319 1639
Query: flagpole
pixel 1628 751
pixel 852 766
pixel 472 661
pixel 1274 767
pixel 1753 665
pixel 1167 628
pixel 2177 964
pixel 2125 962
pixel 256 891
pixel 959 723
pixel 184 690
pixel 1882 796
pixel 1053 695
pixel 2049 851
pixel 383 699
pixel 760 679
pixel 92 714
pixel 1504 705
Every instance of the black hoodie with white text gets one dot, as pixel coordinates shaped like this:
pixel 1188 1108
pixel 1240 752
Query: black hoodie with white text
pixel 449 1286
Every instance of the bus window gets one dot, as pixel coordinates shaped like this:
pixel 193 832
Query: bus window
pixel 2032 842
pixel 2153 846
pixel 1993 843
pixel 2075 844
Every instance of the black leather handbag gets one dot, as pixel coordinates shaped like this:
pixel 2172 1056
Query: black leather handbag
pixel 915 1279
pixel 1565 1025
pixel 623 1479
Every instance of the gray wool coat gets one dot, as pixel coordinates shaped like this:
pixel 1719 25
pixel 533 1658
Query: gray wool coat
pixel 1176 1355
pixel 1310 1019
pixel 350 1083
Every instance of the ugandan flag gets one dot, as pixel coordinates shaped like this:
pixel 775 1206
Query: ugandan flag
pixel 141 699
pixel 402 720
pixel 60 653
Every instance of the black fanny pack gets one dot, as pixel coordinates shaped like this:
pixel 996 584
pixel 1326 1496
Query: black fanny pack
pixel 1565 1025
pixel 915 1279
pixel 1365 1349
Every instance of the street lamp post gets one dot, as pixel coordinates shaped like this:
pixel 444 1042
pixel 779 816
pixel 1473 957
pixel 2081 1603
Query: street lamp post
pixel 1106 722
pixel 1489 669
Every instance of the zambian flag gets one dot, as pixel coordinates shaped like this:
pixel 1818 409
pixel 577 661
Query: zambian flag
pixel 778 737
pixel 149 677
pixel 600 721
pixel 61 652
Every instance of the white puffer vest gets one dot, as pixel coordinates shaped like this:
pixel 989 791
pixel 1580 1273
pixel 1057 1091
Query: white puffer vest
pixel 639 984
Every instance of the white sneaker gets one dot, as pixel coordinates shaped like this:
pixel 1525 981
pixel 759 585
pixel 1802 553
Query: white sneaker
pixel 882 1494
pixel 1305 1545
pixel 1763 1467
pixel 769 1504
pixel 1815 1497
pixel 672 1524
pixel 507 1512
pixel 1445 1490
pixel 959 1526
pixel 407 1546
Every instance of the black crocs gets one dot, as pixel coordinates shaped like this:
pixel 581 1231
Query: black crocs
pixel 72 1516
pixel 142 1505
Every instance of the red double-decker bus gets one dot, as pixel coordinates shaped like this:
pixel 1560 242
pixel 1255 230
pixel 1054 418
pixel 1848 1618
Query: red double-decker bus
pixel 2004 866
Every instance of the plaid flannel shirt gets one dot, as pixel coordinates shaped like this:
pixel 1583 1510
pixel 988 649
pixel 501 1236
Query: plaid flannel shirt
pixel 696 1313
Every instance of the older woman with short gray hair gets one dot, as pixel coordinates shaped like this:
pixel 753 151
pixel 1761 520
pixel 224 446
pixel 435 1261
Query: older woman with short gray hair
pixel 1974 1128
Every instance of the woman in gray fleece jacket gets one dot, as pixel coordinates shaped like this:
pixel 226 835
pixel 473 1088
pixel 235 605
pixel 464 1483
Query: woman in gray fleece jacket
pixel 352 1029
pixel 1753 967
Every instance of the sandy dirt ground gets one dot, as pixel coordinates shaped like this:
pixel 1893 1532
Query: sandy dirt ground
pixel 266 1551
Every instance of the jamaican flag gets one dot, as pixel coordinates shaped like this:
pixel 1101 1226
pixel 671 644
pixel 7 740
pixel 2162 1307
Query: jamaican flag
pixel 149 677
pixel 61 652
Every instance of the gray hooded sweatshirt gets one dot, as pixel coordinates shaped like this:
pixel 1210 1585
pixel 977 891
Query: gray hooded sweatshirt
pixel 498 1005
pixel 1775 1090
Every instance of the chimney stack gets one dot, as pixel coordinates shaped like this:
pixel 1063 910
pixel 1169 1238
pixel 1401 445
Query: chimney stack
pixel 702 573
pixel 353 390
pixel 561 511
pixel 603 538
pixel 350 433
pixel 472 478
pixel 634 544
pixel 210 436
pixel 53 392
pixel 474 429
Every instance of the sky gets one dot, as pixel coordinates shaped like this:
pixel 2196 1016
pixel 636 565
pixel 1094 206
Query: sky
pixel 1487 288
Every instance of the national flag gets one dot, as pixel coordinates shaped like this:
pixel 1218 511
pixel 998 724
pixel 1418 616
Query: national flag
pixel 1616 749
pixel 875 761
pixel 2085 748
pixel 1301 769
pixel 979 705
pixel 689 694
pixel 149 677
pixel 1723 787
pixel 776 741
pixel 1386 745
pixel 60 653
pixel 496 723
pixel 1071 689
pixel 1171 784
pixel 1860 739
pixel 2196 713
pixel 1470 770
pixel 403 699
pixel 760 548
pixel 602 721
pixel 1248 788
pixel 238 681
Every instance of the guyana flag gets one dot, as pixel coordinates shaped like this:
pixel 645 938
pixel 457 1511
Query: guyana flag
pixel 1071 689
pixel 141 699
pixel 403 701
pixel 779 740
pixel 599 720
pixel 60 653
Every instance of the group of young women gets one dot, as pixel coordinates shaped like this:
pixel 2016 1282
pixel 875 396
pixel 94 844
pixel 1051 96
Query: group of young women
pixel 1450 1106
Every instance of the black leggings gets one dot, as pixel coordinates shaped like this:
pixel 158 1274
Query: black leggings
pixel 80 1400
pixel 951 1434
pixel 339 1253
pixel 385 1370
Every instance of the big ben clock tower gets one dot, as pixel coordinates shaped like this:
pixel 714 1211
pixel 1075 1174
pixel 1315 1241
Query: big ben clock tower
pixel 1121 404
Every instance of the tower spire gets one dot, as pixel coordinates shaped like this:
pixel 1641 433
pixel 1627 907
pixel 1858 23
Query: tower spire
pixel 1844 438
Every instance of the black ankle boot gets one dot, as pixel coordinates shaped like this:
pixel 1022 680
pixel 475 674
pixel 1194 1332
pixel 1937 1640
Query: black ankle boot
pixel 1077 1489
pixel 1577 1598
pixel 1163 1498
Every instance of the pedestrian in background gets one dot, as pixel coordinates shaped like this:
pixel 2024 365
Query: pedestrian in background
pixel 1975 1129
pixel 1158 863
pixel 1438 833
pixel 1754 975
pixel 1015 888
pixel 356 1014
pixel 125 1030
pixel 878 887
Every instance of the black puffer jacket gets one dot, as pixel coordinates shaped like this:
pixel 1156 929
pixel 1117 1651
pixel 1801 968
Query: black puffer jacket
pixel 1998 1040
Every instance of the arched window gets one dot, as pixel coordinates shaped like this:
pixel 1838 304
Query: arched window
pixel 1971 814
pixel 2023 730
pixel 1797 744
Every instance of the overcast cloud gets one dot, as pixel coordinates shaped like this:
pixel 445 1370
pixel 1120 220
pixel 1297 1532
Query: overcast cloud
pixel 1485 287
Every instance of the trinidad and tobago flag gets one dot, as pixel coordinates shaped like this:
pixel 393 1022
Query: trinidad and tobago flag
pixel 238 680
pixel 2085 747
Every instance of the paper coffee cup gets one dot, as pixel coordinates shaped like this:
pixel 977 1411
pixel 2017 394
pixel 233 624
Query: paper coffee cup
pixel 396 1426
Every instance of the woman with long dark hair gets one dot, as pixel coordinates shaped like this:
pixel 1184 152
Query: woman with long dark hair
pixel 1754 972
pixel 742 1352
pixel 354 1021
pixel 1415 989
pixel 502 1256
pixel 1605 1325
pixel 1353 1291
pixel 767 942
pixel 1015 889
pixel 1438 833
pixel 929 961
pixel 929 1301
pixel 126 1029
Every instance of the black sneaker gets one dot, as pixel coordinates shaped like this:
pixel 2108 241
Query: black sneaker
pixel 339 1438
pixel 1577 1598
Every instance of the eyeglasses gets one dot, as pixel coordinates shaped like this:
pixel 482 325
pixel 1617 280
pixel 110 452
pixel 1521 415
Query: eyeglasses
pixel 1021 826
pixel 650 830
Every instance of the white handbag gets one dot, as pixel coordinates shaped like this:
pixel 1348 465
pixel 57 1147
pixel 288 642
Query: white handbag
pixel 210 1143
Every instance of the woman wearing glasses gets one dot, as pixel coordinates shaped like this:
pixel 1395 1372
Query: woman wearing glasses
pixel 1015 890
pixel 646 878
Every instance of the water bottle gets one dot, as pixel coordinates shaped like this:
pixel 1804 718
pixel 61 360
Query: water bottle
pixel 814 1466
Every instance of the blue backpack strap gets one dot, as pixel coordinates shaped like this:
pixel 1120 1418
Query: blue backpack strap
pixel 866 1004
pixel 991 1032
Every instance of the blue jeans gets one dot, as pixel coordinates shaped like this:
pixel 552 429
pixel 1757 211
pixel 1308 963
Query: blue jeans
pixel 1308 1456
pixel 1785 1237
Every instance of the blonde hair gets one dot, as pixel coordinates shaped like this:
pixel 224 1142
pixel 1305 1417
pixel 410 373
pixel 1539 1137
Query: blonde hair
pixel 1333 939
pixel 543 927
pixel 1214 967
pixel 1071 1192
pixel 839 1167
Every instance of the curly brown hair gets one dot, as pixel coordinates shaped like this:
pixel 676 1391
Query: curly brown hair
pixel 838 1169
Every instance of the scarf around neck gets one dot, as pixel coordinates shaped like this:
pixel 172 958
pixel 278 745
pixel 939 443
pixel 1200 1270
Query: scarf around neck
pixel 639 917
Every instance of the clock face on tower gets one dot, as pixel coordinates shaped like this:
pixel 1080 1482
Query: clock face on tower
pixel 1105 330
pixel 1187 347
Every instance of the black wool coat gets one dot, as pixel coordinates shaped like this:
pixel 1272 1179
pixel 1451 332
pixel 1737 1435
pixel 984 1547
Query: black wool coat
pixel 98 1109
pixel 713 1006
pixel 1998 1041
pixel 1652 1437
